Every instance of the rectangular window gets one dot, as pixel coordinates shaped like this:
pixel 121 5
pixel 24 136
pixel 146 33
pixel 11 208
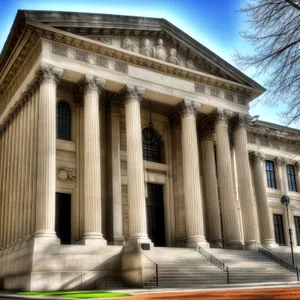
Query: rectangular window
pixel 291 178
pixel 270 174
pixel 297 225
pixel 278 228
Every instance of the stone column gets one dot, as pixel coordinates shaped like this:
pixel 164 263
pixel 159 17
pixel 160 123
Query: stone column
pixel 92 162
pixel 117 221
pixel 135 170
pixel 191 175
pixel 231 231
pixel 46 153
pixel 298 175
pixel 282 175
pixel 210 186
pixel 244 183
pixel 265 220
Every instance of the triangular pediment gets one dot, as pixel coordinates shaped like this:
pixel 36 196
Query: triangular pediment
pixel 153 37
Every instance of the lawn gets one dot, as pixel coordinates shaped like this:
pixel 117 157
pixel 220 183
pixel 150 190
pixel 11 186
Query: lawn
pixel 77 294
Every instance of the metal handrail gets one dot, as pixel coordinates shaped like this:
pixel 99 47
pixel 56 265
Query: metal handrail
pixel 156 267
pixel 212 259
pixel 270 254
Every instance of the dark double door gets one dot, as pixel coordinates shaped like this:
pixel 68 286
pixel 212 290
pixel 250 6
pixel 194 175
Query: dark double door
pixel 156 215
pixel 63 217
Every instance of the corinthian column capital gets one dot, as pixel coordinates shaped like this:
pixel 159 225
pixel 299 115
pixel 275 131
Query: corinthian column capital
pixel 221 117
pixel 258 157
pixel 49 73
pixel 281 161
pixel 132 93
pixel 92 83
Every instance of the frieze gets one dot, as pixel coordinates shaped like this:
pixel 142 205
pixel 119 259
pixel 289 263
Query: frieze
pixel 81 56
pixel 251 137
pixel 121 67
pixel 200 88
pixel 214 92
pixel 229 96
pixel 34 32
pixel 101 61
pixel 59 49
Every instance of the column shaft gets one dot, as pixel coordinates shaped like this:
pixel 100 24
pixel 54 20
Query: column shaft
pixel 135 169
pixel 118 238
pixel 210 187
pixel 92 162
pixel 46 163
pixel 245 189
pixel 191 177
pixel 264 214
pixel 232 236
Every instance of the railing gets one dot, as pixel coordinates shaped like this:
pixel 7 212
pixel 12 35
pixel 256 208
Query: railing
pixel 156 267
pixel 212 259
pixel 268 253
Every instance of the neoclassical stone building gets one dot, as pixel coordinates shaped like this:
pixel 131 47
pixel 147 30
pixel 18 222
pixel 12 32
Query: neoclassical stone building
pixel 119 134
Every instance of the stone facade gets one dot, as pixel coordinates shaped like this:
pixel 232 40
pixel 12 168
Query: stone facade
pixel 212 155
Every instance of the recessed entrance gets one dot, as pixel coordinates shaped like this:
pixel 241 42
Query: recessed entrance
pixel 63 217
pixel 156 215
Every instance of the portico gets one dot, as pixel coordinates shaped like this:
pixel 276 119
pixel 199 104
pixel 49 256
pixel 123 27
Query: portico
pixel 86 104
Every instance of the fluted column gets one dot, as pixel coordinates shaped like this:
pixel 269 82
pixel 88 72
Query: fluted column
pixel 298 175
pixel 46 156
pixel 135 169
pixel 191 175
pixel 117 216
pixel 92 162
pixel 231 231
pixel 244 182
pixel 210 187
pixel 282 175
pixel 265 220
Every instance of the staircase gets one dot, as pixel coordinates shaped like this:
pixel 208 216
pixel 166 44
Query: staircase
pixel 252 267
pixel 183 267
pixel 285 253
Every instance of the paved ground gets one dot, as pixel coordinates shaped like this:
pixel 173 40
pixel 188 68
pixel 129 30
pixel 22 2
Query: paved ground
pixel 283 293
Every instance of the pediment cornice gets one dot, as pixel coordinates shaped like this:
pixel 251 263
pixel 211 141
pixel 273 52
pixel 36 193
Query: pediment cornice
pixel 35 31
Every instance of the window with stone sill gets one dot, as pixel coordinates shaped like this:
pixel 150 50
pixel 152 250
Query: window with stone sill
pixel 290 170
pixel 271 179
pixel 63 121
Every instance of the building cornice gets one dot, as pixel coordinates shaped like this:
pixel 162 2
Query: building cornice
pixel 43 31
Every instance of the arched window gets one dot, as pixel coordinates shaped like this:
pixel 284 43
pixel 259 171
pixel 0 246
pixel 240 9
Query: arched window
pixel 153 145
pixel 63 121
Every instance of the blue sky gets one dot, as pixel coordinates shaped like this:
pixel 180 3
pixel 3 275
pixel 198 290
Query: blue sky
pixel 215 24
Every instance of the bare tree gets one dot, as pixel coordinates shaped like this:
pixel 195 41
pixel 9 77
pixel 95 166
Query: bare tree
pixel 274 32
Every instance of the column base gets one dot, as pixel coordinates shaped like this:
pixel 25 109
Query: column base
pixel 118 241
pixel 269 243
pixel 235 245
pixel 250 245
pixel 216 243
pixel 93 239
pixel 138 244
pixel 196 241
pixel 43 239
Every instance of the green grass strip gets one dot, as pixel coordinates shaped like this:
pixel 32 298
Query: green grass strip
pixel 77 294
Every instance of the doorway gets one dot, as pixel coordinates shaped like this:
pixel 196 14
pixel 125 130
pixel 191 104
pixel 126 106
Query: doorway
pixel 63 217
pixel 156 214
